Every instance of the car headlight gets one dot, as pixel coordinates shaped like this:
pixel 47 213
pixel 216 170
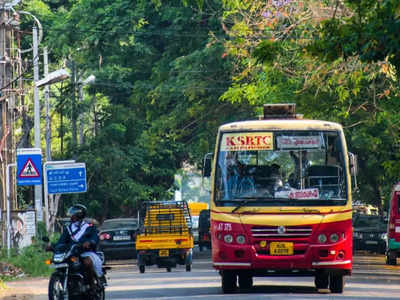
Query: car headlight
pixel 228 238
pixel 322 238
pixel 358 235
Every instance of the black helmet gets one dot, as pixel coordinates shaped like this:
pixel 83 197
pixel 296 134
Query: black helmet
pixel 77 210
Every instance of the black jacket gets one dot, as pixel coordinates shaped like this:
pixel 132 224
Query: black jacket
pixel 87 232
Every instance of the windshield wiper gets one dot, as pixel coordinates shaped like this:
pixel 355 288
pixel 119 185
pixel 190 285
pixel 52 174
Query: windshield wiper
pixel 242 203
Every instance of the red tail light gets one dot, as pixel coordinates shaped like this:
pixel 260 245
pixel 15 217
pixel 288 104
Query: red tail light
pixel 392 227
pixel 105 236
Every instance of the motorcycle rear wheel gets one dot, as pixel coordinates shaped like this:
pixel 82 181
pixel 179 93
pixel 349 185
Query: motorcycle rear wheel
pixel 56 287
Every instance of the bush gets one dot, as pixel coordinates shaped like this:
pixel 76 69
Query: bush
pixel 30 260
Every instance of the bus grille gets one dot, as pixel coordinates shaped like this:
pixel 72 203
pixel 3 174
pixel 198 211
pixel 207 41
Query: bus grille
pixel 265 232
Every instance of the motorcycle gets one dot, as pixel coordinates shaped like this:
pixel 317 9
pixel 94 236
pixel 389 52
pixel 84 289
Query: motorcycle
pixel 68 281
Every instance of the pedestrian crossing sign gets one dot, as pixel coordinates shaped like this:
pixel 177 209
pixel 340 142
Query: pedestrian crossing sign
pixel 29 166
pixel 29 170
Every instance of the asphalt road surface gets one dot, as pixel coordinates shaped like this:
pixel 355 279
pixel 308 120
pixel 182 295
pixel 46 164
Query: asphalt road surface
pixel 371 279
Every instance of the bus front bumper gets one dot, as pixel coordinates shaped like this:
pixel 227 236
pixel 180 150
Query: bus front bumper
pixel 245 257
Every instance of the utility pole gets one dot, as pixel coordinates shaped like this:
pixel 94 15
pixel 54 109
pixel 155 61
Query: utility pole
pixel 74 112
pixel 47 104
pixel 10 94
pixel 38 188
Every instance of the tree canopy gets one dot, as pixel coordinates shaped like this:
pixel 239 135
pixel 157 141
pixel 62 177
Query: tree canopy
pixel 168 73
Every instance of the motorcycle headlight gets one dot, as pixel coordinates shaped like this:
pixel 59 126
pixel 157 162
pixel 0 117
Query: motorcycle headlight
pixel 383 236
pixel 58 257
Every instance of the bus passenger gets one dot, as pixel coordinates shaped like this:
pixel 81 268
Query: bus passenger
pixel 301 163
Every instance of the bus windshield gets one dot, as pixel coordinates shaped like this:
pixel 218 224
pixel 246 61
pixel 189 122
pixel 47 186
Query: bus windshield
pixel 295 168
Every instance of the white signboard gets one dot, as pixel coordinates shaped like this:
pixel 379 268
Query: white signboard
pixel 304 194
pixel 298 142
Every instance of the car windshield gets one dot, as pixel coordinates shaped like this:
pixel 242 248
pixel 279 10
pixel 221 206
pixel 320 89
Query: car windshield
pixel 119 224
pixel 274 168
pixel 368 221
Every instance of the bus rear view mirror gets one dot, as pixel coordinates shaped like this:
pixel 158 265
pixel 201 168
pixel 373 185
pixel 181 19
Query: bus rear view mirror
pixel 207 164
pixel 353 164
pixel 353 169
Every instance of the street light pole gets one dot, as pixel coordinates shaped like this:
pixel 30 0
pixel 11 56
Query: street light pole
pixel 48 79
pixel 47 103
pixel 81 84
pixel 38 188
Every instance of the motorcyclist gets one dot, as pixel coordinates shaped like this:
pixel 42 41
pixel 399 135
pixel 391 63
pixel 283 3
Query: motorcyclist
pixel 85 233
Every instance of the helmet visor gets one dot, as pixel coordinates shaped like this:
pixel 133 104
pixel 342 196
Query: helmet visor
pixel 74 211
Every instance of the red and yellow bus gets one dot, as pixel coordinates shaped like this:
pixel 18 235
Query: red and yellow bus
pixel 281 200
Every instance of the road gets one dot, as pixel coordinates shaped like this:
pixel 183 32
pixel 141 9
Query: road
pixel 371 279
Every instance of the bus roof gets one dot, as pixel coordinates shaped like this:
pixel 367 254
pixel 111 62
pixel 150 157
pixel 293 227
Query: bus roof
pixel 281 124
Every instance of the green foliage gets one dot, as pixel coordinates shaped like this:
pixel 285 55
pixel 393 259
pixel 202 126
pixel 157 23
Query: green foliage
pixel 371 32
pixel 31 260
pixel 41 230
pixel 266 51
pixel 168 73
pixel 315 64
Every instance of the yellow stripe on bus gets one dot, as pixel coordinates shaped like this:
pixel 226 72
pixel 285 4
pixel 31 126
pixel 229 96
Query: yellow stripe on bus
pixel 281 218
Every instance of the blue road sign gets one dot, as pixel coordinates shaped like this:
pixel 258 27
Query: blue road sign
pixel 66 178
pixel 29 166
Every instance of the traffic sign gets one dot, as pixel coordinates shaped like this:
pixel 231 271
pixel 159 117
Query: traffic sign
pixel 65 178
pixel 29 166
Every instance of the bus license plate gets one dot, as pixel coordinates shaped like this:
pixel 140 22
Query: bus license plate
pixel 163 252
pixel 281 248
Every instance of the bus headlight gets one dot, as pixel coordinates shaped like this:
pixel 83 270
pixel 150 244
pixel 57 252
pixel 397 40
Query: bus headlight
pixel 240 239
pixel 334 237
pixel 322 238
pixel 228 238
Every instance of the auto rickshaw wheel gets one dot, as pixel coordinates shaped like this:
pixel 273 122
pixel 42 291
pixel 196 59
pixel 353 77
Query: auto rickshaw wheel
pixel 391 258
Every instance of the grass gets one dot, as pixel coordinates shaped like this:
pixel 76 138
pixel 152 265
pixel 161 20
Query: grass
pixel 31 261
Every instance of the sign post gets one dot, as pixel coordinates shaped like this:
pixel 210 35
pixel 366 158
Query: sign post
pixel 29 172
pixel 65 178
pixel 46 194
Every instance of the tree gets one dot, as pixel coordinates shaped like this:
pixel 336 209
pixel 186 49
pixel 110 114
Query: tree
pixel 280 52
pixel 162 73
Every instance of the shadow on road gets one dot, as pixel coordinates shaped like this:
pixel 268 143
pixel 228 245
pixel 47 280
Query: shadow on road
pixel 213 292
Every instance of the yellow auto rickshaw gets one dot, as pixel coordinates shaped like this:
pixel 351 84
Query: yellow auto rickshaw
pixel 165 235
